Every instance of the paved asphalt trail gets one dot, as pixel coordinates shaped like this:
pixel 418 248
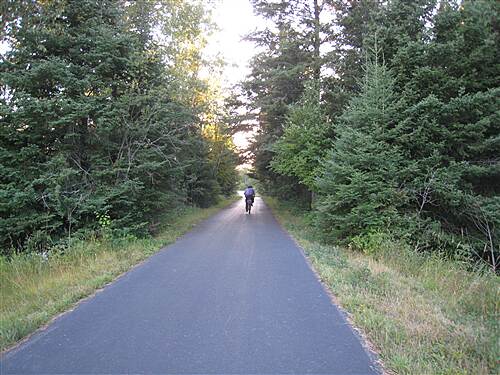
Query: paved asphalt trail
pixel 234 295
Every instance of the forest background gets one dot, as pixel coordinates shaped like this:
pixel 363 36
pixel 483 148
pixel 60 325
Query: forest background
pixel 376 122
pixel 107 125
pixel 379 117
pixel 382 119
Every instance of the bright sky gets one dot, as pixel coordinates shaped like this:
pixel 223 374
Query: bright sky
pixel 235 19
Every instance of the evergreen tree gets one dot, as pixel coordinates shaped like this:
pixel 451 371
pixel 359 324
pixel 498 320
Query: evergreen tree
pixel 446 76
pixel 291 56
pixel 450 130
pixel 94 121
pixel 305 140
pixel 355 22
pixel 360 182
pixel 60 74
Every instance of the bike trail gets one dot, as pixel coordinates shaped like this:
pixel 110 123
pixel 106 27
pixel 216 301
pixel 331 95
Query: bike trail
pixel 233 296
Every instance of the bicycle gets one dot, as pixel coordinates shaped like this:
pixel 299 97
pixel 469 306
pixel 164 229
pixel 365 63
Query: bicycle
pixel 248 204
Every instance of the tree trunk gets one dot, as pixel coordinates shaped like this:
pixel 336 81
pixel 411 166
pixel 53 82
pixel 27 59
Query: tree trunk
pixel 317 42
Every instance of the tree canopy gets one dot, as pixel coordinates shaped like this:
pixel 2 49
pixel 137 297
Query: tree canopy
pixel 403 134
pixel 104 114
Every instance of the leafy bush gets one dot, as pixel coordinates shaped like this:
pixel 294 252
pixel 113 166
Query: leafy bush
pixel 371 243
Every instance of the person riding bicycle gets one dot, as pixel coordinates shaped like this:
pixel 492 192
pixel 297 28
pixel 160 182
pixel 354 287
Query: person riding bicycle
pixel 249 194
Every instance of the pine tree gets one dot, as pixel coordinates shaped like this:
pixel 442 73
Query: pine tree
pixel 360 181
pixel 59 75
pixel 291 57
pixel 305 140
pixel 94 122
pixel 450 129
pixel 355 22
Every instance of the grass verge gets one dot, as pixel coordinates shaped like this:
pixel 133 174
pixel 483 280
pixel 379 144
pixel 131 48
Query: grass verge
pixel 34 288
pixel 422 314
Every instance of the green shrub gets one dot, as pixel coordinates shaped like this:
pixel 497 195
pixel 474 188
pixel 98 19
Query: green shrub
pixel 371 243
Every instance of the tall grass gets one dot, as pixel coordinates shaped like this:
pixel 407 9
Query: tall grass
pixel 422 313
pixel 35 288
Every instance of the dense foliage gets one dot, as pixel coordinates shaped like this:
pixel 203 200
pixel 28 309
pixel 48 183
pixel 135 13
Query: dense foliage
pixel 291 43
pixel 102 118
pixel 404 135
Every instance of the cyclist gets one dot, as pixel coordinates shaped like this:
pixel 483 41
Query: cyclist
pixel 249 197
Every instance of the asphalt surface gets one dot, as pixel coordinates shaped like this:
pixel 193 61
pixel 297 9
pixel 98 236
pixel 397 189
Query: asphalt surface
pixel 233 296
